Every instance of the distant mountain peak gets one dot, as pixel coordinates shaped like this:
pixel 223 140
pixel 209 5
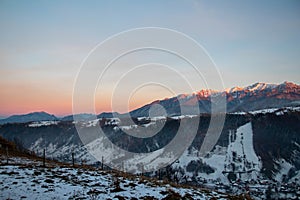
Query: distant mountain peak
pixel 29 117
pixel 207 92
pixel 233 89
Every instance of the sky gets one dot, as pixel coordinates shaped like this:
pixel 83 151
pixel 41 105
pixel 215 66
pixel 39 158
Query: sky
pixel 43 45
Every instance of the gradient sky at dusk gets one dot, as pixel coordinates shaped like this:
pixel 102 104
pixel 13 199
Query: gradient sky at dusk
pixel 42 44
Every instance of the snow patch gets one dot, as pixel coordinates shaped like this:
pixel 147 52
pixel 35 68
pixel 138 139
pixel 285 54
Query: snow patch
pixel 42 123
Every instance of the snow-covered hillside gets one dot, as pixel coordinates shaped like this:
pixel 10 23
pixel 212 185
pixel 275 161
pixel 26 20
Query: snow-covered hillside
pixel 254 150
pixel 26 179
pixel 239 158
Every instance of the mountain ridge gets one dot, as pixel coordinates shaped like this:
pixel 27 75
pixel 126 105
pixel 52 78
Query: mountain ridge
pixel 29 117
pixel 254 97
pixel 257 96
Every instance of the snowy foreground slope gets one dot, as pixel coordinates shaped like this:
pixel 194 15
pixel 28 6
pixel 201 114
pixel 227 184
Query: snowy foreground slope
pixel 28 180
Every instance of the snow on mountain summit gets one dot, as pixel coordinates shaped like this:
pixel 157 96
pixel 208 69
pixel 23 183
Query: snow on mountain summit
pixel 257 96
pixel 260 86
pixel 256 87
pixel 234 89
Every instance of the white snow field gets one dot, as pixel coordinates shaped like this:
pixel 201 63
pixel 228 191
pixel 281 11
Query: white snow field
pixel 27 179
pixel 240 152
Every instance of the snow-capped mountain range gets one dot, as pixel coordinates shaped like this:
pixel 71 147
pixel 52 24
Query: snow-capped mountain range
pixel 239 99
pixel 255 97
